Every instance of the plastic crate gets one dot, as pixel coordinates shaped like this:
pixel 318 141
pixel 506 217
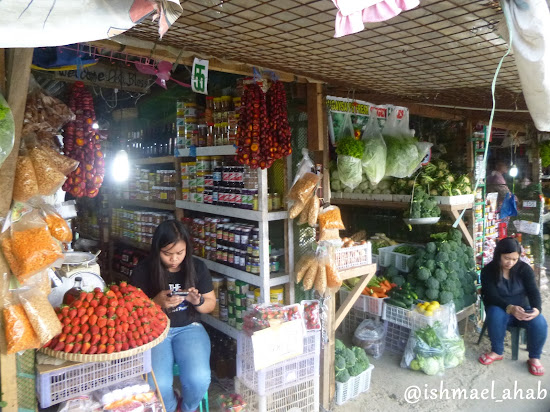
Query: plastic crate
pixel 356 385
pixel 397 315
pixel 387 257
pixel 62 384
pixel 397 337
pixel 350 257
pixel 303 397
pixel 353 319
pixel 365 303
pixel 283 374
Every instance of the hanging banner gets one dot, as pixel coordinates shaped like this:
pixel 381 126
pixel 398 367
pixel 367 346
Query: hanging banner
pixel 199 79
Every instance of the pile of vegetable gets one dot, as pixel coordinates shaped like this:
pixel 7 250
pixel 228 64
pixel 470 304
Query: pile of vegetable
pixel 378 287
pixel 438 179
pixel 402 296
pixel 445 271
pixel 423 205
pixel 349 362
pixel 428 308
pixel 545 153
pixel 432 349
pixel 406 249
pixel 380 240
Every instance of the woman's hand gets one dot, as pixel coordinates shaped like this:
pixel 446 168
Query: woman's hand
pixel 194 296
pixel 165 301
pixel 519 313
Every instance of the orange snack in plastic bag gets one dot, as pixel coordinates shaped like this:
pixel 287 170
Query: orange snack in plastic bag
pixel 30 251
pixel 19 332
pixel 58 227
pixel 49 178
pixel 25 184
pixel 330 218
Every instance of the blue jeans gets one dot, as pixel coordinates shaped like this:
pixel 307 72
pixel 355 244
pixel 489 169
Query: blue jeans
pixel 189 347
pixel 498 320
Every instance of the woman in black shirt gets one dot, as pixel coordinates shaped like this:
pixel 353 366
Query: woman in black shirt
pixel 511 297
pixel 182 286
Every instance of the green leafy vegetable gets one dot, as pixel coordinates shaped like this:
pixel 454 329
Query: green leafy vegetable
pixel 349 146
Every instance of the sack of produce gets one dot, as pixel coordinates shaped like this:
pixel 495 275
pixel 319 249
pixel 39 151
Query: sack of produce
pixel 28 246
pixel 370 335
pixel 7 130
pixel 375 152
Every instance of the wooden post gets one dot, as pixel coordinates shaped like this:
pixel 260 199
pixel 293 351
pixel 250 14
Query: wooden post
pixel 316 117
pixel 17 69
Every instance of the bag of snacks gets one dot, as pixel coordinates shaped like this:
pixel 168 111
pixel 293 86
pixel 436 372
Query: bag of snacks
pixel 20 334
pixel 334 281
pixel 312 314
pixel 305 181
pixel 25 184
pixel 58 227
pixel 60 162
pixel 29 247
pixel 41 315
pixel 49 178
pixel 329 235
pixel 330 218
pixel 40 281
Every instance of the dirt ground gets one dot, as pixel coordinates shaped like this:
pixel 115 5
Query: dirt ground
pixel 508 385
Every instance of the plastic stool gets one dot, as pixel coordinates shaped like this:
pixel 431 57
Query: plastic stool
pixel 515 332
pixel 204 403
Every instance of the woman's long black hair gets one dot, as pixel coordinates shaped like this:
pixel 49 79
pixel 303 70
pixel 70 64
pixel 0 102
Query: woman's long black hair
pixel 168 232
pixel 505 246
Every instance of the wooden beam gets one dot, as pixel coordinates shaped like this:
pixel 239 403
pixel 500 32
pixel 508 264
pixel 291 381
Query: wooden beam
pixel 347 304
pixel 463 228
pixel 149 49
pixel 316 117
pixel 18 69
pixel 327 379
pixel 3 71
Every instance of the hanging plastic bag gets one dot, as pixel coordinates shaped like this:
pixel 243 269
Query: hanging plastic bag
pixel 49 178
pixel 508 207
pixel 425 351
pixel 7 130
pixel 25 185
pixel 303 187
pixel 58 227
pixel 350 152
pixel 41 315
pixel 346 129
pixel 375 152
pixel 450 337
pixel 330 218
pixel 29 247
pixel 370 335
pixel 334 281
pixel 19 332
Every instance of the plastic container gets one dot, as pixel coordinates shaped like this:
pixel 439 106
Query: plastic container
pixel 353 387
pixel 230 284
pixel 277 295
pixel 387 257
pixel 354 256
pixel 365 303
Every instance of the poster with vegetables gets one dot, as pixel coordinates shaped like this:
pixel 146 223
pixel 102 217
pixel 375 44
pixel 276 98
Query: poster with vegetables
pixel 340 109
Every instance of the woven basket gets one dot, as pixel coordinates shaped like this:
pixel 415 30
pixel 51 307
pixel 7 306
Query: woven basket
pixel 77 357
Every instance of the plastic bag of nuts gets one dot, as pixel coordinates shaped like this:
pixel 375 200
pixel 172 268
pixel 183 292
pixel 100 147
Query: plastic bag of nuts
pixel 41 314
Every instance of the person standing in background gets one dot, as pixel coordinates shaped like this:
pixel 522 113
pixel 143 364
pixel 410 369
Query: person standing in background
pixel 497 183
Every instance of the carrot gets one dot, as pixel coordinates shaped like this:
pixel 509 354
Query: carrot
pixel 387 284
pixel 379 289
pixel 374 295
pixel 382 295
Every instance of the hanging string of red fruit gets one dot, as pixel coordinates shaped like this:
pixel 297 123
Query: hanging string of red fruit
pixel 264 133
pixel 82 142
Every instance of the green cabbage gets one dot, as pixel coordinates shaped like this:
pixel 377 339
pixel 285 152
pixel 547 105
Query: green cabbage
pixel 402 156
pixel 349 169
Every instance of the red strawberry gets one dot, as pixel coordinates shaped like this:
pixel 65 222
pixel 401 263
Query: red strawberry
pixel 118 346
pixel 104 301
pixel 70 339
pixel 103 330
pixel 136 334
pixel 85 348
pixel 100 311
pixel 94 329
pixel 125 327
pixel 123 284
pixel 114 288
pixel 75 321
pixel 94 303
pixel 66 329
pixel 81 311
pixel 139 342
pixel 125 346
pixel 62 337
pixel 84 328
pixel 89 296
pixel 75 329
pixel 129 335
pixel 111 332
pixel 104 339
pixel 113 302
pixel 65 310
pixel 77 347
pixel 68 347
pixel 140 330
pixel 79 337
pixel 85 304
pixel 111 323
pixel 83 295
pixel 111 341
pixel 98 290
pixel 111 311
pixel 132 344
pixel 93 320
pixel 101 322
pixel 90 311
pixel 77 304
pixel 60 317
pixel 110 348
pixel 59 346
pixel 87 337
pixel 93 349
pixel 101 348
pixel 72 313
pixel 95 339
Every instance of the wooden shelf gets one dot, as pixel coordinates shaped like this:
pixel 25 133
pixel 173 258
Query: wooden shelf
pixel 276 279
pixel 226 150
pixel 153 160
pixel 144 203
pixel 358 271
pixel 392 205
pixel 129 242
pixel 254 215
pixel 221 326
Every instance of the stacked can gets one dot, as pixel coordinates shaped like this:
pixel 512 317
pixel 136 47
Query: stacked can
pixel 186 124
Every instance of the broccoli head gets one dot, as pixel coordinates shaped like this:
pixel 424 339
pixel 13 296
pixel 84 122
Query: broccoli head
pixel 342 376
pixel 444 247
pixel 448 285
pixel 349 357
pixel 420 291
pixel 431 248
pixel 420 253
pixel 442 257
pixel 445 297
pixel 339 363
pixel 339 346
pixel 357 369
pixel 423 274
pixel 455 235
pixel 391 272
pixel 432 294
pixel 432 283
pixel 430 265
pixel 361 356
pixel 398 280
pixel 440 275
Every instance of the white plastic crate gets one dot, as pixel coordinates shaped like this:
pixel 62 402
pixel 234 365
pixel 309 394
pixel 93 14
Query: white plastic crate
pixel 397 315
pixel 350 257
pixel 356 385
pixel 303 397
pixel 387 257
pixel 283 374
pixel 62 384
pixel 353 319
pixel 397 337
pixel 365 303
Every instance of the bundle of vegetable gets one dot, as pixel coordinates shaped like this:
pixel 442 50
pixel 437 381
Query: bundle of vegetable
pixel 349 362
pixel 350 152
pixel 374 153
pixel 263 134
pixel 378 287
pixel 380 240
pixel 106 321
pixel 423 205
pixel 402 296
pixel 82 143
pixel 445 271
pixel 406 249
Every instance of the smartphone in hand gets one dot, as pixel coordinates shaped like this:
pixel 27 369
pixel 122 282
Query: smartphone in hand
pixel 529 310
pixel 179 293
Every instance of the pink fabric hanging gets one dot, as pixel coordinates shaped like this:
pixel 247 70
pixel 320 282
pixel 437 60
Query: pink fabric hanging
pixel 352 14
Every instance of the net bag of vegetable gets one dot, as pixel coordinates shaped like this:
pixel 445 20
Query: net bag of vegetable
pixel 374 152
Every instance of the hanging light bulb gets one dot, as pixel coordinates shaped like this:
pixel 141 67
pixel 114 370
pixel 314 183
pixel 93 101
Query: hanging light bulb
pixel 120 166
pixel 513 171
